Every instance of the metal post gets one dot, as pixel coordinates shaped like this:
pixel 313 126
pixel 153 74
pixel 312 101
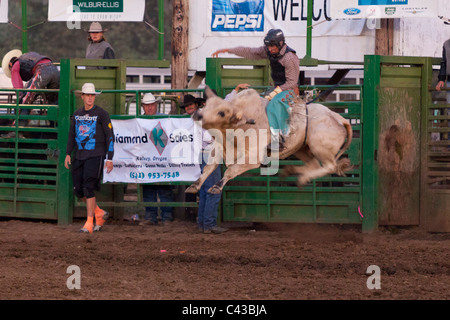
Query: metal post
pixel 24 27
pixel 309 28
pixel 161 30
pixel 307 59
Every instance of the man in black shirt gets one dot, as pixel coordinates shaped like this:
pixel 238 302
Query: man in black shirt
pixel 91 135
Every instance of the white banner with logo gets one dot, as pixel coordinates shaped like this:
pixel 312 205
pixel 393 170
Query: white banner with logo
pixel 90 10
pixel 155 150
pixel 3 11
pixel 379 9
pixel 256 17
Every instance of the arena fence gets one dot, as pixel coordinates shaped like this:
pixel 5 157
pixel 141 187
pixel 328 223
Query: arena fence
pixel 400 151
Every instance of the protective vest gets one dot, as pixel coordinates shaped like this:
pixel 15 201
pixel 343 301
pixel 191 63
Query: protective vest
pixel 278 71
pixel 27 62
pixel 96 50
pixel 447 53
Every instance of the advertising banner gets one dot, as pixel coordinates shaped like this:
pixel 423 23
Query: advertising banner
pixel 90 10
pixel 380 9
pixel 155 150
pixel 3 11
pixel 255 17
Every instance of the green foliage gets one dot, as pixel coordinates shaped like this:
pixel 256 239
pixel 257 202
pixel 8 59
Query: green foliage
pixel 130 40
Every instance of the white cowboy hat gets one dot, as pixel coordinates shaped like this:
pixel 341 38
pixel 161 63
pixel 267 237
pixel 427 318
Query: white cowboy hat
pixel 96 27
pixel 87 88
pixel 149 98
pixel 16 53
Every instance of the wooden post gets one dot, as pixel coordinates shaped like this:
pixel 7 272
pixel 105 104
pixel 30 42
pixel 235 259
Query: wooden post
pixel 180 46
pixel 384 38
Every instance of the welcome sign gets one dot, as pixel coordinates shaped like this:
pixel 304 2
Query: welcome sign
pixel 91 10
pixel 155 150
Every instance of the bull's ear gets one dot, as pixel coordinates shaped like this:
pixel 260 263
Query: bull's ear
pixel 209 93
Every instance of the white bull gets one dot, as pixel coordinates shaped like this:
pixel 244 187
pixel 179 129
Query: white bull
pixel 317 136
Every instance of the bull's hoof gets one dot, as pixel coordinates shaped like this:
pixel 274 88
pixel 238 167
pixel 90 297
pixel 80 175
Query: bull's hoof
pixel 214 190
pixel 192 189
pixel 302 180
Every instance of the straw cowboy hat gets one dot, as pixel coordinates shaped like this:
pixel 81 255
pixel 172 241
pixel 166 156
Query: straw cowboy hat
pixel 149 98
pixel 16 53
pixel 87 88
pixel 96 27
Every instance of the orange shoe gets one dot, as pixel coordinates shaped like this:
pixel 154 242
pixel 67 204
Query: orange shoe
pixel 88 227
pixel 100 220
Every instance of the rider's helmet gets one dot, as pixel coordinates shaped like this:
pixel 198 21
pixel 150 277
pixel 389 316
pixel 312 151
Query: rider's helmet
pixel 274 37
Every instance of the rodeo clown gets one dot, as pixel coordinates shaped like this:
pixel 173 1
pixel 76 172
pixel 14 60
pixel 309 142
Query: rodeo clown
pixel 285 71
pixel 91 139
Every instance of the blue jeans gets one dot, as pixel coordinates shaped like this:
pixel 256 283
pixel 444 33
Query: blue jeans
pixel 209 203
pixel 149 194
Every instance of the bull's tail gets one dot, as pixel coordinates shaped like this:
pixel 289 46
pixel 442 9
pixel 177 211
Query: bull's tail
pixel 348 128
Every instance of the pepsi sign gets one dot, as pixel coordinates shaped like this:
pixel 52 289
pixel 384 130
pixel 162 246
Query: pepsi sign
pixel 237 15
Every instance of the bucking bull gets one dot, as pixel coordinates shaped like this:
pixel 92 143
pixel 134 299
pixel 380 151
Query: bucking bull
pixel 317 136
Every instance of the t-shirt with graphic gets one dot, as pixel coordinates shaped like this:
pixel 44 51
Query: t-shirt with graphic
pixel 91 133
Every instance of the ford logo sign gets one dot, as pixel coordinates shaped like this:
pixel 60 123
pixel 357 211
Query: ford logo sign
pixel 352 11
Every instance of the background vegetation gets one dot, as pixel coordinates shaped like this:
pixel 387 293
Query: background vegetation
pixel 130 40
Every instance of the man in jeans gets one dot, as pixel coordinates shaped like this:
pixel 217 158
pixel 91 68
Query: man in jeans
pixel 151 192
pixel 208 205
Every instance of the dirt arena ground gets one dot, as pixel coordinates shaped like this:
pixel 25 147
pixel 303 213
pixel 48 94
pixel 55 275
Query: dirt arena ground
pixel 249 262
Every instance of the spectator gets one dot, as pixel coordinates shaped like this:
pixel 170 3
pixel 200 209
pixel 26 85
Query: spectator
pixel 208 206
pixel 189 104
pixel 98 47
pixel 91 136
pixel 444 74
pixel 37 70
pixel 151 192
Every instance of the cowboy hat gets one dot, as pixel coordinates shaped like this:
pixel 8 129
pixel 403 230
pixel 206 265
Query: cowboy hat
pixel 149 98
pixel 88 88
pixel 188 99
pixel 16 53
pixel 96 27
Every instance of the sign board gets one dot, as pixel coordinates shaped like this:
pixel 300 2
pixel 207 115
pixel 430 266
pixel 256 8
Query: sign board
pixel 3 11
pixel 380 9
pixel 256 17
pixel 217 24
pixel 155 150
pixel 89 10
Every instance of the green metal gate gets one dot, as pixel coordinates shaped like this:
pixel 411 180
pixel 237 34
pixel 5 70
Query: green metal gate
pixel 411 171
pixel 270 198
pixel 400 151
pixel 30 170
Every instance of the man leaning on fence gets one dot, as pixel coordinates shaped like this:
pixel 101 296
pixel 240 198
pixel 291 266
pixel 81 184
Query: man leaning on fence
pixel 37 70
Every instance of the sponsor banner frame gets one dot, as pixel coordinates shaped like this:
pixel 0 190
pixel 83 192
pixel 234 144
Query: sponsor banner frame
pixel 92 10
pixel 155 150
pixel 3 11
pixel 256 17
pixel 382 9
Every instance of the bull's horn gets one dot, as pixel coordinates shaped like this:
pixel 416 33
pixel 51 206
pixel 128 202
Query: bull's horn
pixel 209 92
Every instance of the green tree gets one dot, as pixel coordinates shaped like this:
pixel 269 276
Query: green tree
pixel 130 40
